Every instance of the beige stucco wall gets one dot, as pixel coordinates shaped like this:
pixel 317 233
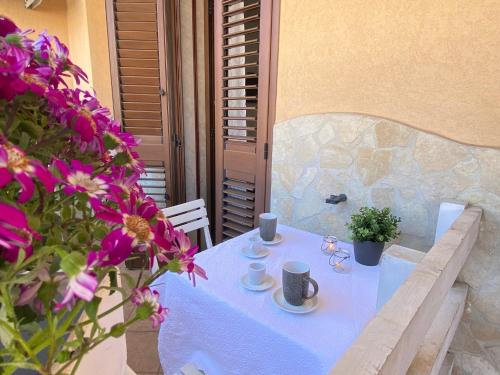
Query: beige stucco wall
pixel 430 64
pixel 88 43
pixel 81 25
pixel 50 16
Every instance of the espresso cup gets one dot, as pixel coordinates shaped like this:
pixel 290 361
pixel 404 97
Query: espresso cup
pixel 255 244
pixel 296 283
pixel 267 226
pixel 256 273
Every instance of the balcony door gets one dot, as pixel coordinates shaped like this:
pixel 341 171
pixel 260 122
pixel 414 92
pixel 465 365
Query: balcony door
pixel 243 114
pixel 143 43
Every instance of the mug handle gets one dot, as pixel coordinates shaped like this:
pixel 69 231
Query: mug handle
pixel 315 286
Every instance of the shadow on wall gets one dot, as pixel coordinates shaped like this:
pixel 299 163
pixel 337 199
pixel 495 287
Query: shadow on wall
pixel 382 163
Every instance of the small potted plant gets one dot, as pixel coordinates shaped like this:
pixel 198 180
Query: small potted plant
pixel 370 229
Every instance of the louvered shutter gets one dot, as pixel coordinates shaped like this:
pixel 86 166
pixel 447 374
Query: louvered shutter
pixel 136 30
pixel 241 62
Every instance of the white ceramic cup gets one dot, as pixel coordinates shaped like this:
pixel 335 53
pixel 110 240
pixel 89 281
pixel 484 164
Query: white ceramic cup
pixel 256 273
pixel 255 244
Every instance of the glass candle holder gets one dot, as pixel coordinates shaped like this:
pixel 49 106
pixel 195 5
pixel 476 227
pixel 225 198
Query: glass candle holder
pixel 341 261
pixel 329 245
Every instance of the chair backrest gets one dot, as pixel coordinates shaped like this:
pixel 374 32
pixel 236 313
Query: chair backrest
pixel 190 216
pixel 448 213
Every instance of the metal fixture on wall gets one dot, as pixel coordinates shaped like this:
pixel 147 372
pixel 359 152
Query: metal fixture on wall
pixel 336 199
pixel 32 4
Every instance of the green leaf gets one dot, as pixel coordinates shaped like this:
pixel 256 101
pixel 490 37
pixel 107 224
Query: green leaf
pixel 113 281
pixel 143 311
pixel 34 222
pixel 5 336
pixel 73 263
pixel 63 356
pixel 24 140
pixel 25 314
pixel 47 293
pixel 174 266
pixel 121 158
pixel 32 129
pixel 109 142
pixel 66 212
pixel 91 309
pixel 129 280
pixel 117 330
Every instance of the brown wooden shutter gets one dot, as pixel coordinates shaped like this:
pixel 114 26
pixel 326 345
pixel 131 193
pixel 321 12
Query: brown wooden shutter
pixel 242 31
pixel 137 39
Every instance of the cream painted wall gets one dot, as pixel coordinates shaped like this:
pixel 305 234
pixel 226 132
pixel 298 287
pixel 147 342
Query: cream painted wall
pixel 88 41
pixel 99 53
pixel 432 64
pixel 78 36
pixel 51 16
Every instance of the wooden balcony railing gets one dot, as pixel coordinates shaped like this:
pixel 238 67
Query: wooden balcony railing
pixel 425 304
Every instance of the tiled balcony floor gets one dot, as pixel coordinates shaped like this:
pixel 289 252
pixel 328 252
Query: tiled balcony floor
pixel 142 345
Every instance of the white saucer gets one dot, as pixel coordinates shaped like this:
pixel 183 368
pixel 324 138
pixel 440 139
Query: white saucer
pixel 276 240
pixel 263 252
pixel 268 283
pixel 308 306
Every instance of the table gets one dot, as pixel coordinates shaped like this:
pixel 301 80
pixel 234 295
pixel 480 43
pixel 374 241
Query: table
pixel 225 329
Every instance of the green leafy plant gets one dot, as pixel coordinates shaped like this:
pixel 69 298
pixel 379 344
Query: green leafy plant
pixel 373 224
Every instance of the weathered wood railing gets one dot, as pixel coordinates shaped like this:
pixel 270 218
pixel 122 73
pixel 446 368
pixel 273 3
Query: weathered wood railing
pixel 391 341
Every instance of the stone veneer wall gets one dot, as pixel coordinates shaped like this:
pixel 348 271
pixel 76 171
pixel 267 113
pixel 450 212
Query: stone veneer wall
pixel 383 163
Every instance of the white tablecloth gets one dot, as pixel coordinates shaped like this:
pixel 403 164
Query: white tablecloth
pixel 225 329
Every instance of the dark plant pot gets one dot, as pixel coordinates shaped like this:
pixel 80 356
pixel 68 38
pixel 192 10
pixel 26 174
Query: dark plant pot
pixel 136 261
pixel 368 253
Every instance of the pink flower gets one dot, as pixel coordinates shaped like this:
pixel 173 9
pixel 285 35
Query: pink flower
pixel 124 181
pixel 84 114
pixel 80 178
pixel 49 51
pixel 7 27
pixel 123 141
pixel 29 291
pixel 176 245
pixel 135 216
pixel 82 285
pixel 146 297
pixel 14 164
pixel 34 80
pixel 185 253
pixel 15 233
pixel 115 248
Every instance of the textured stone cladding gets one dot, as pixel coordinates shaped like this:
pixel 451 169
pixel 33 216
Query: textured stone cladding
pixel 382 163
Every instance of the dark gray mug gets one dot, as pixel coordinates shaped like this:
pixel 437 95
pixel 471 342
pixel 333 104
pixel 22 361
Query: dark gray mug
pixel 267 226
pixel 296 283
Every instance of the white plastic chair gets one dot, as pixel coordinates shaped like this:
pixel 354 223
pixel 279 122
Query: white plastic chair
pixel 189 216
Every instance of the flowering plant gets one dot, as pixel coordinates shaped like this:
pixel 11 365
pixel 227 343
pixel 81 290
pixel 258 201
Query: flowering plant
pixel 71 212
